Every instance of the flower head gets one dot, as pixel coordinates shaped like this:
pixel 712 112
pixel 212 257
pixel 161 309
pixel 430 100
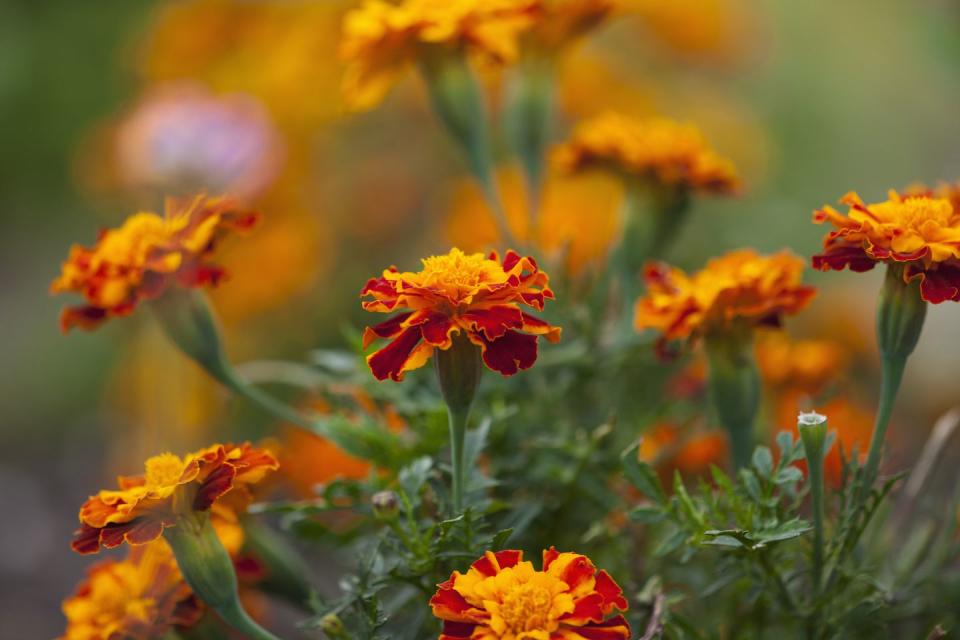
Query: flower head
pixel 658 150
pixel 503 596
pixel 141 597
pixel 381 39
pixel 808 365
pixel 562 22
pixel 145 505
pixel 181 136
pixel 921 232
pixel 453 293
pixel 740 288
pixel 145 256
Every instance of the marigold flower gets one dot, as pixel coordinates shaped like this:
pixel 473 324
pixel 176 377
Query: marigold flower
pixel 921 232
pixel 453 293
pixel 502 596
pixel 145 256
pixel 381 39
pixel 802 364
pixel 739 288
pixel 562 22
pixel 659 150
pixel 143 596
pixel 144 505
pixel 671 448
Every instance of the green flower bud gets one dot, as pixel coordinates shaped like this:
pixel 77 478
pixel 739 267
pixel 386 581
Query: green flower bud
pixel 900 314
pixel 189 322
pixel 386 505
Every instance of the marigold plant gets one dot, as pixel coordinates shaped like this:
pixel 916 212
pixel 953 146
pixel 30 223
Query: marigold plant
pixel 503 596
pixel 148 254
pixel 481 297
pixel 144 505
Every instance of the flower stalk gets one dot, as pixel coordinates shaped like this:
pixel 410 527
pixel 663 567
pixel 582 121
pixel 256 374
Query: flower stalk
pixel 207 568
pixel 457 100
pixel 734 387
pixel 900 316
pixel 813 432
pixel 458 372
pixel 191 324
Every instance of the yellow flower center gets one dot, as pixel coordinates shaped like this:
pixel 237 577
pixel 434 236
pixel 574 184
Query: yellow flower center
pixel 527 608
pixel 164 470
pixel 130 244
pixel 458 274
pixel 913 213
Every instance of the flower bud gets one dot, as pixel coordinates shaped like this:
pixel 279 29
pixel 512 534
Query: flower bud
pixel 900 314
pixel 458 371
pixel 386 505
pixel 332 625
pixel 203 561
pixel 188 321
pixel 813 432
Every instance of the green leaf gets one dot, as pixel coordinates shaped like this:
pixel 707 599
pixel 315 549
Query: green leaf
pixel 647 515
pixel 725 541
pixel 788 475
pixel 669 544
pixel 414 476
pixel 500 539
pixel 763 461
pixel 751 485
pixel 642 476
pixel 785 531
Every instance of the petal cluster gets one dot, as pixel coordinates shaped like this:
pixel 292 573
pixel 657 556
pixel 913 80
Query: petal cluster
pixel 659 150
pixel 479 296
pixel 139 510
pixel 142 596
pixel 502 597
pixel 146 255
pixel 739 288
pixel 380 39
pixel 920 231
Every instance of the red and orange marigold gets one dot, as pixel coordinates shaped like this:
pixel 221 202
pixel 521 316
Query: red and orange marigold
pixel 920 231
pixel 503 596
pixel 453 293
pixel 143 596
pixel 740 288
pixel 145 256
pixel 145 505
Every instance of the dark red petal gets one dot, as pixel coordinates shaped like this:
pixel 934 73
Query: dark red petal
pixel 838 257
pixel 217 483
pixel 613 629
pixel 86 539
pixel 495 321
pixel 937 285
pixel 510 259
pixel 611 592
pixel 510 352
pixel 387 329
pixel 84 317
pixel 456 630
pixel 388 362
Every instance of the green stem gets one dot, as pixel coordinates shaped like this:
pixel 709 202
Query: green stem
pixel 265 401
pixel 235 615
pixel 458 432
pixel 816 496
pixel 733 383
pixel 891 375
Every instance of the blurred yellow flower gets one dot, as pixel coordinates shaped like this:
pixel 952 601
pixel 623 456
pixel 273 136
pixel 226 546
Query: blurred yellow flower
pixel 740 288
pixel 562 22
pixel 577 219
pixel 712 30
pixel 656 150
pixel 808 365
pixel 381 39
pixel 142 596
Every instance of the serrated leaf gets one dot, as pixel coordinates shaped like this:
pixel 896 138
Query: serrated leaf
pixel 763 461
pixel 642 476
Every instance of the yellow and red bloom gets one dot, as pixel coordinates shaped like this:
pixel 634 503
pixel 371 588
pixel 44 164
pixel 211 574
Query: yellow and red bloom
pixel 740 288
pixel 381 39
pixel 503 596
pixel 657 150
pixel 144 505
pixel 920 232
pixel 143 596
pixel 453 293
pixel 145 256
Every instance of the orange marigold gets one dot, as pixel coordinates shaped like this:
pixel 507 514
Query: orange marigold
pixel 739 288
pixel 141 597
pixel 562 22
pixel 503 596
pixel 669 448
pixel 922 232
pixel 654 149
pixel 142 258
pixel 808 365
pixel 381 39
pixel 477 295
pixel 145 505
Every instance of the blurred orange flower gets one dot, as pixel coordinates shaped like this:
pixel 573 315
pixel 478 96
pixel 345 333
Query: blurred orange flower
pixel 564 228
pixel 921 232
pixel 453 293
pixel 142 596
pixel 145 505
pixel 562 22
pixel 381 39
pixel 807 365
pixel 145 256
pixel 852 423
pixel 712 30
pixel 740 288
pixel 503 596
pixel 657 150
pixel 669 448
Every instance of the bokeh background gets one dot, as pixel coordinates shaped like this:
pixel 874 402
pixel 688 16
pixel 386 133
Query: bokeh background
pixel 809 99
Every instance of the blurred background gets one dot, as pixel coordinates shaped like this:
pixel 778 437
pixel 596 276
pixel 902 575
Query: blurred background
pixel 104 106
